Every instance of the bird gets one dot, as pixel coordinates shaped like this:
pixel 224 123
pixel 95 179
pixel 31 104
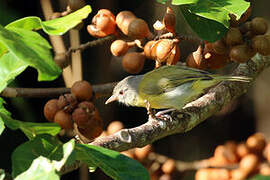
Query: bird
pixel 168 87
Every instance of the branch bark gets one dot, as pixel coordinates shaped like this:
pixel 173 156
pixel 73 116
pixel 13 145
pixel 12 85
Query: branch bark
pixel 99 90
pixel 191 115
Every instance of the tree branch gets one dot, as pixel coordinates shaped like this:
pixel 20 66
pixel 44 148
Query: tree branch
pixel 99 90
pixel 191 115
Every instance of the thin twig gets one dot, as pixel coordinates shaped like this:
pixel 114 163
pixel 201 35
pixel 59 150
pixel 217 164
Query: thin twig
pixel 99 90
pixel 89 44
pixel 76 57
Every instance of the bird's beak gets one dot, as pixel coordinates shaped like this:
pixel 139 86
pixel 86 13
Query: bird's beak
pixel 111 99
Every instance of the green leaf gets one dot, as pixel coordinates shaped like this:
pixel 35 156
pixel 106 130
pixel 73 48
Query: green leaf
pixel 206 29
pixel 40 169
pixel 57 26
pixel 46 146
pixel 10 67
pixel 2 174
pixel 4 111
pixel 219 10
pixel 260 177
pixel 31 48
pixel 183 2
pixel 114 164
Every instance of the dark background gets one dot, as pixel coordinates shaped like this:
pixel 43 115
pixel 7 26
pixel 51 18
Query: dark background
pixel 236 122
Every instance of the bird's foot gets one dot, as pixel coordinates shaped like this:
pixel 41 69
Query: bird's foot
pixel 162 115
pixel 150 111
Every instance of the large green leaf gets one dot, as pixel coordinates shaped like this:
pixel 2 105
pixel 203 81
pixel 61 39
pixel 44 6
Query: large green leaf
pixel 57 26
pixel 219 10
pixel 40 169
pixel 31 48
pixel 47 146
pixel 206 29
pixel 114 164
pixel 210 18
pixel 10 67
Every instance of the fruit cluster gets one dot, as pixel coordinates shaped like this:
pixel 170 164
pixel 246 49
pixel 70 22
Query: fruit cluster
pixel 75 110
pixel 246 159
pixel 127 25
pixel 240 44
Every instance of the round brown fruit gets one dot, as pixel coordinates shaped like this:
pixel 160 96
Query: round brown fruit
pixel 50 109
pixel 213 60
pixel 259 26
pixel 220 47
pixel 138 29
pixel 169 166
pixel 249 163
pixel 238 174
pixel 148 49
pixel 94 129
pixel 76 4
pixel 261 44
pixel 142 153
pixel 67 102
pixel 256 143
pixel 233 37
pixel 82 90
pixel 133 62
pixel 123 19
pixel 114 127
pixel 63 119
pixel 163 49
pixel 241 53
pixel 93 31
pixel 266 152
pixel 84 114
pixel 242 150
pixel 119 47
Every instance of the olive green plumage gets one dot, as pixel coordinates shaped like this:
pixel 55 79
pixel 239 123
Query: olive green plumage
pixel 167 87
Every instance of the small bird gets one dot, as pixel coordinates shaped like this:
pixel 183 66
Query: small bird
pixel 168 87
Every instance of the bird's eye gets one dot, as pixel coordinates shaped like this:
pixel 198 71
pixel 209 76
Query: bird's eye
pixel 121 92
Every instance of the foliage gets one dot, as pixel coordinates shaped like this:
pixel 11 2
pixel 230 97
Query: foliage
pixel 43 156
pixel 210 18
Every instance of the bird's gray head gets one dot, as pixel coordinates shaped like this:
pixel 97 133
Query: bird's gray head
pixel 126 91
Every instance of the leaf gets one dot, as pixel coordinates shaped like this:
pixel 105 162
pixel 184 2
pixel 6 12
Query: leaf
pixel 219 10
pixel 260 177
pixel 206 29
pixel 57 26
pixel 114 164
pixel 183 2
pixel 2 174
pixel 40 169
pixel 10 67
pixel 46 146
pixel 2 126
pixel 4 111
pixel 32 49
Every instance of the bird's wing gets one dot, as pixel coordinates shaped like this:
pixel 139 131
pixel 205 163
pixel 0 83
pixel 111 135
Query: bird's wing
pixel 167 78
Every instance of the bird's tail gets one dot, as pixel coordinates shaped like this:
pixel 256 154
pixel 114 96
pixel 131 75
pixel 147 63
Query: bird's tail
pixel 233 78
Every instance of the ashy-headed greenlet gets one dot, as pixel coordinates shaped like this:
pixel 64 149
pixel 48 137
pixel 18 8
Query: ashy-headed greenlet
pixel 168 87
